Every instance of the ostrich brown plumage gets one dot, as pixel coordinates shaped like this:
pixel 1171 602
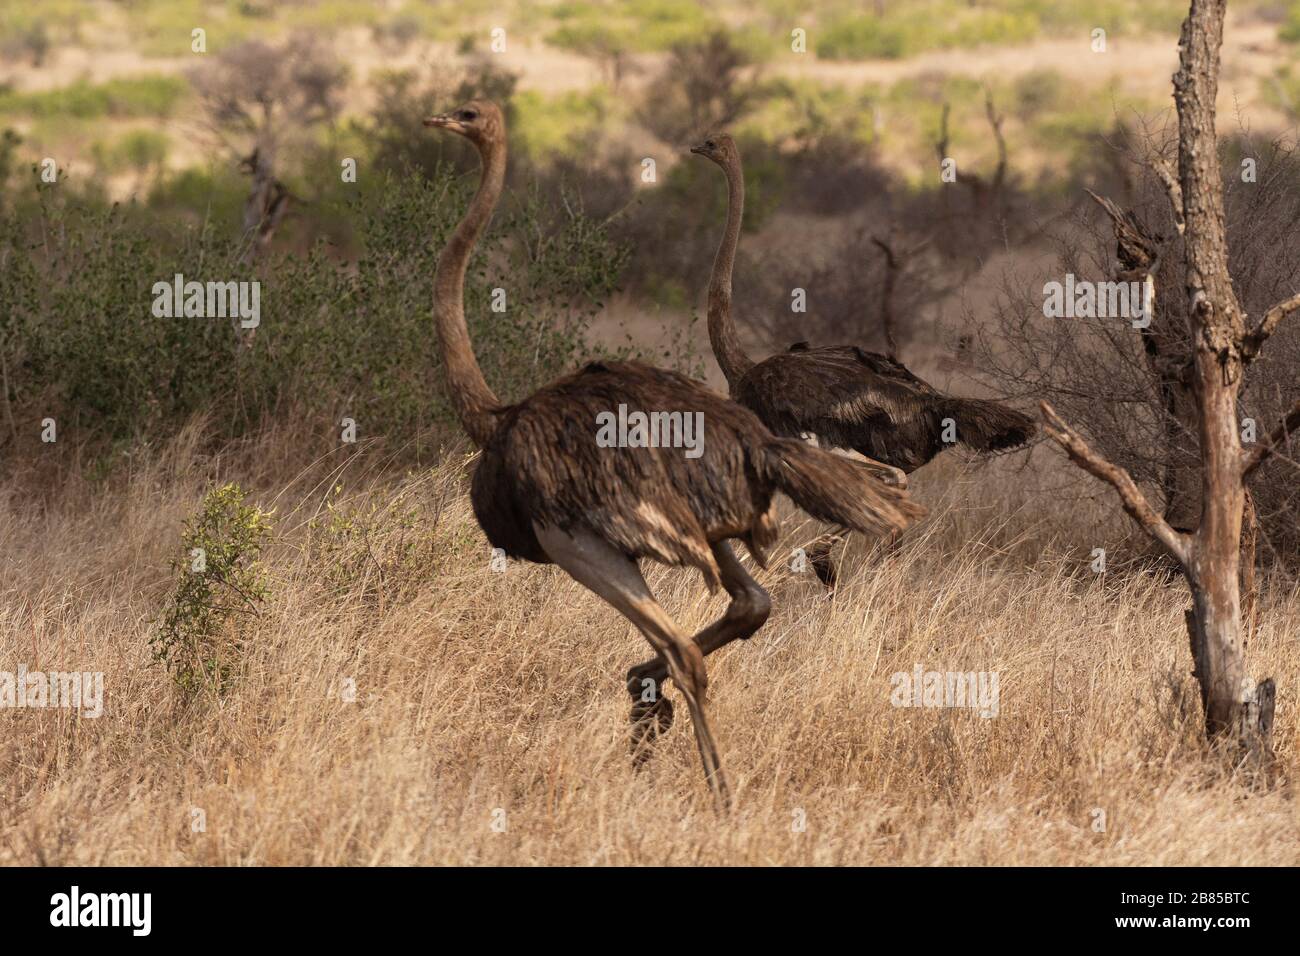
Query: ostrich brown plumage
pixel 843 396
pixel 546 490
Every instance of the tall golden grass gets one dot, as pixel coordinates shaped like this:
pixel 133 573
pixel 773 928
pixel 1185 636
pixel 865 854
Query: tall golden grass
pixel 489 720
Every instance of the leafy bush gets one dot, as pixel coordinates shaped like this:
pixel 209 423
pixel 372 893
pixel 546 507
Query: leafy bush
pixel 29 31
pixel 397 141
pixel 123 97
pixel 218 585
pixel 9 141
pixel 593 28
pixel 705 85
pixel 336 339
pixel 867 37
pixel 139 150
pixel 554 125
pixel 162 27
pixel 905 29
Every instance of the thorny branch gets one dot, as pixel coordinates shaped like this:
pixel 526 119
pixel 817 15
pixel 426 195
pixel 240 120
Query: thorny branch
pixel 1131 497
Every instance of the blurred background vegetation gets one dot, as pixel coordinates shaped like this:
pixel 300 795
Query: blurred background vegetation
pixel 228 164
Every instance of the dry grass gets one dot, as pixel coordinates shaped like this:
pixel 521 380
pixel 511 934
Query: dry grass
pixel 479 691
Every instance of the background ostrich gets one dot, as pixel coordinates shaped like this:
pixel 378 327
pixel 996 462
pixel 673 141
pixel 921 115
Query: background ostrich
pixel 843 396
pixel 544 491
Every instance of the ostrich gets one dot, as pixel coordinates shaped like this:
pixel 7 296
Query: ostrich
pixel 546 490
pixel 843 396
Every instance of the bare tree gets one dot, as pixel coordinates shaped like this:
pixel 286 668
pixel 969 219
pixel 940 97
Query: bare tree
pixel 1238 712
pixel 256 97
pixel 705 86
pixel 1131 393
pixel 265 206
pixel 861 295
pixel 986 193
pixel 895 264
pixel 1167 350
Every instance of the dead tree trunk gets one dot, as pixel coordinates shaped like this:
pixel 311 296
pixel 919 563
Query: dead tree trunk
pixel 887 320
pixel 1165 343
pixel 267 202
pixel 1238 713
pixel 986 193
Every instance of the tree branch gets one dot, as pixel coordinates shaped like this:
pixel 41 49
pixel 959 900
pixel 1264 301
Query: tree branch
pixel 975 181
pixel 1134 502
pixel 1256 456
pixel 1160 166
pixel 995 121
pixel 1256 337
pixel 887 307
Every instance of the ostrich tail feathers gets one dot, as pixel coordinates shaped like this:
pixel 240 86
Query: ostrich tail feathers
pixel 838 489
pixel 988 426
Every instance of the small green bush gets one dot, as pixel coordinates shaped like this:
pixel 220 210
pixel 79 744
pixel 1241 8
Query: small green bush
pixel 218 586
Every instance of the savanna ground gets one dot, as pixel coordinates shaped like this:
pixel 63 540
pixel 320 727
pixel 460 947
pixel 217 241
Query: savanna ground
pixel 395 694
pixel 385 694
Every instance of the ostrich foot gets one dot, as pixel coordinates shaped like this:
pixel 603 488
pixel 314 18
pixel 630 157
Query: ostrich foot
pixel 650 719
pixel 824 567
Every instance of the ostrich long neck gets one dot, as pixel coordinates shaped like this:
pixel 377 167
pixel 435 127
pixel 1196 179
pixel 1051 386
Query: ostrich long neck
pixel 722 329
pixel 476 405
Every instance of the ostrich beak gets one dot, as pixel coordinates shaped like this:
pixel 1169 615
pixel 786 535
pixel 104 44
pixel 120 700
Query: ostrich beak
pixel 700 150
pixel 444 121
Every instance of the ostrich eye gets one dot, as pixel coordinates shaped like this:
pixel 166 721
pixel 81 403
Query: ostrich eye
pixel 711 144
pixel 468 115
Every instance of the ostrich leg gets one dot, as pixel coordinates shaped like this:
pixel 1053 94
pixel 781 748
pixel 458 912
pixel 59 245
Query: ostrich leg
pixel 745 614
pixel 819 552
pixel 819 556
pixel 613 576
pixel 889 474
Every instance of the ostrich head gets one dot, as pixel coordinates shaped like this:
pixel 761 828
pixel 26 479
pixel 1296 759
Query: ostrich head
pixel 720 148
pixel 479 121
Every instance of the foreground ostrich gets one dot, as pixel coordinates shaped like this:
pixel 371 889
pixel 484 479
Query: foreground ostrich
pixel 546 491
pixel 843 396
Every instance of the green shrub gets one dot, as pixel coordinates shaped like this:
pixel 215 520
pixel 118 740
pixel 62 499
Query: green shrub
pixel 597 29
pixel 9 142
pixel 124 97
pixel 218 587
pixel 868 37
pixel 549 125
pixel 29 31
pixel 335 339
pixel 139 150
pixel 1289 31
pixel 906 29
pixel 1282 90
